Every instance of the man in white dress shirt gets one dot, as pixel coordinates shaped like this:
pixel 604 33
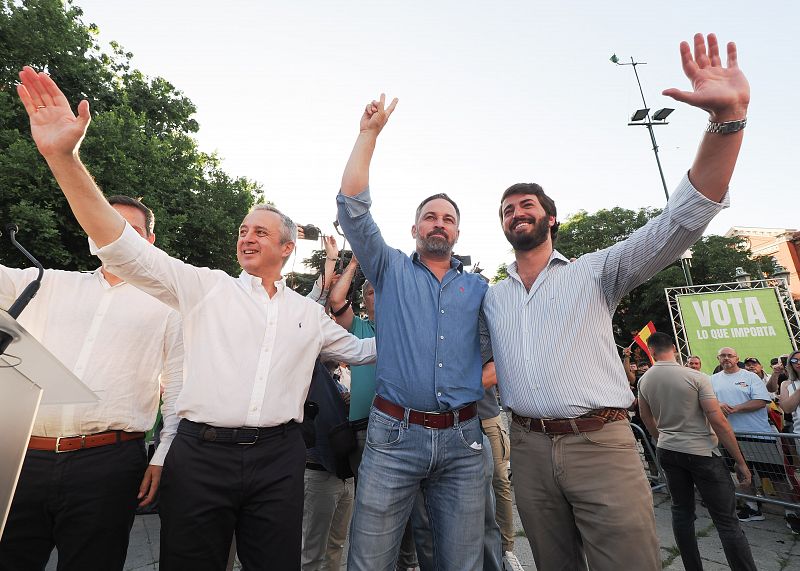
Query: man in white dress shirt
pixel 85 463
pixel 238 459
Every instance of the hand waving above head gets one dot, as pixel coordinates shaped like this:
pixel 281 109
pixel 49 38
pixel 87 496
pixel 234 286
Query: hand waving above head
pixel 723 91
pixel 54 127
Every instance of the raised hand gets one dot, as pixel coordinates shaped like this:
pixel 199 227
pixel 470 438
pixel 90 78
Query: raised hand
pixel 331 249
pixel 376 115
pixel 722 91
pixel 54 127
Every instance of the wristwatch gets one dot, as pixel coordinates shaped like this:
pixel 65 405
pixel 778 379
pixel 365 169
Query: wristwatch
pixel 727 127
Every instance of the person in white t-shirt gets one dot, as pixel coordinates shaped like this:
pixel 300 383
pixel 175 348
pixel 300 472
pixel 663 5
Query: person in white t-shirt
pixel 743 398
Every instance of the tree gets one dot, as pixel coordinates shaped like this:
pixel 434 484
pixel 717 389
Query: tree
pixel 714 260
pixel 139 143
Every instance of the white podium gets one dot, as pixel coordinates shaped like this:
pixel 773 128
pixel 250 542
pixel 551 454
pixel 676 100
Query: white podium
pixel 29 376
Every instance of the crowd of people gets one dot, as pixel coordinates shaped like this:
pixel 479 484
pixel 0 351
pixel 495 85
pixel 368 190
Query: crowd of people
pixel 412 462
pixel 689 414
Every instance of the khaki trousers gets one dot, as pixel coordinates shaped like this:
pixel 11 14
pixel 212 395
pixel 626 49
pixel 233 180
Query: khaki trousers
pixel 585 494
pixel 501 451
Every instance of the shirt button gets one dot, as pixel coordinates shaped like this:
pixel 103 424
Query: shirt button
pixel 440 365
pixel 441 337
pixel 443 311
pixel 438 394
pixel 253 409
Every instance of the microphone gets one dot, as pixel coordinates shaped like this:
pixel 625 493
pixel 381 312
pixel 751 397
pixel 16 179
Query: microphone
pixel 28 293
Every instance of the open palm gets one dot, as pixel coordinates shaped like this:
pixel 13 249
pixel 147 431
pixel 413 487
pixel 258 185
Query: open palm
pixel 54 127
pixel 722 91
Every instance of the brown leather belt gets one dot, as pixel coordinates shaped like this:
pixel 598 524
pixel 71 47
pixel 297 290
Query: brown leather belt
pixel 589 422
pixel 426 419
pixel 72 443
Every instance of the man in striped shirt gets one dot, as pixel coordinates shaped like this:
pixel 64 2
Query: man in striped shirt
pixel 580 488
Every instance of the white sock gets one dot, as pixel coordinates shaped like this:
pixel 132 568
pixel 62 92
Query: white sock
pixel 753 506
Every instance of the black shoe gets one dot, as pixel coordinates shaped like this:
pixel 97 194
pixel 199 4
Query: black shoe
pixel 746 513
pixel 793 523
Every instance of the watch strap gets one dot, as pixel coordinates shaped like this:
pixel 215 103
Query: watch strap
pixel 727 127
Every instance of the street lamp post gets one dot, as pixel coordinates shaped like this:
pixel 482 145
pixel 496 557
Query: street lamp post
pixel 742 277
pixel 641 118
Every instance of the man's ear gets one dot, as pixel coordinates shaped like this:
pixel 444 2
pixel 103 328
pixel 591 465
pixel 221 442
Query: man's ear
pixel 287 249
pixel 414 231
pixel 151 237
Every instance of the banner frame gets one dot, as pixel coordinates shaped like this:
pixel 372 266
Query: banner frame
pixel 782 293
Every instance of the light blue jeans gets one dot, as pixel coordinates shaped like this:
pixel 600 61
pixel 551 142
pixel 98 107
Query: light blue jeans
pixel 492 539
pixel 400 459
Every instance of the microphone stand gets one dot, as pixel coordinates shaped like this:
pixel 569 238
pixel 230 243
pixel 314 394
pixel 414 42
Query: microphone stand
pixel 27 294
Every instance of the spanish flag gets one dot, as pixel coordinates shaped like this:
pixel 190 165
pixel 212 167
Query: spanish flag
pixel 642 337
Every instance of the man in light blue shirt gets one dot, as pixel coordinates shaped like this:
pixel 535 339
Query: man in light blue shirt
pixel 424 432
pixel 742 396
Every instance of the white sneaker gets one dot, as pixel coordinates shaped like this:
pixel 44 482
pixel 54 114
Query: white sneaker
pixel 511 563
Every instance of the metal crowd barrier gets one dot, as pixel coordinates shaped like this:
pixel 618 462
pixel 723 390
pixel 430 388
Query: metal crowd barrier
pixel 649 459
pixel 774 460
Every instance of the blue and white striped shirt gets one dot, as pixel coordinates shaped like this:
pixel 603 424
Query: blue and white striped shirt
pixel 566 315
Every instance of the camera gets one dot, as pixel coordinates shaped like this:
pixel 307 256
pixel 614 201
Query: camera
pixel 310 232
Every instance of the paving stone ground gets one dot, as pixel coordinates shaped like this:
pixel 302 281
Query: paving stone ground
pixel 773 545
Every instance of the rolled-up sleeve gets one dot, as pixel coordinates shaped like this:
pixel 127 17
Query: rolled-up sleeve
pixel 363 233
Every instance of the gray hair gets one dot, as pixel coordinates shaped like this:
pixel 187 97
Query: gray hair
pixel 288 228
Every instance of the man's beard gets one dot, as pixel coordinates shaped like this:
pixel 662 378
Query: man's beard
pixel 531 239
pixel 435 244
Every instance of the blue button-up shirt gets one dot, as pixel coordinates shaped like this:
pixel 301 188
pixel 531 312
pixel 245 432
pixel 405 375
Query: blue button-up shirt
pixel 426 330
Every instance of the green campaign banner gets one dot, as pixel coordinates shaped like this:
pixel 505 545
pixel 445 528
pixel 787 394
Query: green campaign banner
pixel 749 320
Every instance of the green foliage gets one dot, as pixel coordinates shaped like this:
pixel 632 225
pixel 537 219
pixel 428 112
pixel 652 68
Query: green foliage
pixel 714 260
pixel 500 274
pixel 582 232
pixel 139 144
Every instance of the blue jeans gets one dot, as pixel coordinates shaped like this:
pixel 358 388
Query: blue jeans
pixel 492 539
pixel 400 459
pixel 709 474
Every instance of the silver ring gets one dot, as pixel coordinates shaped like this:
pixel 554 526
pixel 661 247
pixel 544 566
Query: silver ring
pixel 41 106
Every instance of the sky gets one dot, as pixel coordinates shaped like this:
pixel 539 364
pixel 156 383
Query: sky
pixel 491 94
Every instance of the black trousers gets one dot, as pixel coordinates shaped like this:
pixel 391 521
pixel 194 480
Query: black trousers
pixel 82 503
pixel 709 474
pixel 209 490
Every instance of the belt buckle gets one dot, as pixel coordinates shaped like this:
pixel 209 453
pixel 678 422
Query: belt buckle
pixel 544 428
pixel 255 439
pixel 58 443
pixel 425 417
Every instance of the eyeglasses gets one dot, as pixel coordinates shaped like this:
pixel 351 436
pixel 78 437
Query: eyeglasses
pixel 726 355
pixel 794 360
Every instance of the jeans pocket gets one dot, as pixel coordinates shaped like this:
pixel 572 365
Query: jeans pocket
pixel 471 435
pixel 383 432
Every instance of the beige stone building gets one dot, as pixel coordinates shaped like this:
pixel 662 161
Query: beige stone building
pixel 783 244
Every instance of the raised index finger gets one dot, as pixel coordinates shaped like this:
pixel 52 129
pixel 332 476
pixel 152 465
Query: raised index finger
pixel 392 105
